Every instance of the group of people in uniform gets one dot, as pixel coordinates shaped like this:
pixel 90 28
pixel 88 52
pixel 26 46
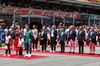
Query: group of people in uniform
pixel 28 38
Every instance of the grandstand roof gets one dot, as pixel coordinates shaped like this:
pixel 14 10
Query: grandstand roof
pixel 71 2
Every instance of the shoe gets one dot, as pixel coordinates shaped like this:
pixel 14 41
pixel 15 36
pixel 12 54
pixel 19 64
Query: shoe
pixel 70 52
pixel 93 54
pixel 26 55
pixel 19 56
pixel 79 53
pixel 29 55
pixel 60 52
pixel 8 55
pixel 4 55
pixel 44 50
pixel 89 54
pixel 50 51
pixel 53 51
pixel 35 50
pixel 73 52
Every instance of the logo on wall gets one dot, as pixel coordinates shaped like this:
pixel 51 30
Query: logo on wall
pixel 1 36
pixel 32 13
pixel 49 14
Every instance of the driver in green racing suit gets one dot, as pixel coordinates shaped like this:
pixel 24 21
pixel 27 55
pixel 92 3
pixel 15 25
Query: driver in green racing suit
pixel 29 36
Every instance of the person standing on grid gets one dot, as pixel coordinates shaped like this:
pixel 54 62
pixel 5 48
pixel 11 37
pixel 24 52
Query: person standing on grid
pixel 53 37
pixel 72 36
pixel 92 40
pixel 62 39
pixel 81 38
pixel 43 38
pixel 20 45
pixel 35 37
pixel 8 44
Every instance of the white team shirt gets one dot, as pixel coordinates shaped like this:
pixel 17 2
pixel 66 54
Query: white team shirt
pixel 48 36
pixel 6 30
pixel 20 41
pixel 7 39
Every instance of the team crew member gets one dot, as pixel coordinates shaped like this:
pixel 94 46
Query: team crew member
pixel 12 34
pixel 8 43
pixel 53 36
pixel 92 37
pixel 29 36
pixel 81 38
pixel 35 37
pixel 62 40
pixel 43 38
pixel 72 36
pixel 17 33
pixel 20 45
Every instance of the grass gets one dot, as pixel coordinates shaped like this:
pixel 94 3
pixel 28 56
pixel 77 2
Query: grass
pixel 3 44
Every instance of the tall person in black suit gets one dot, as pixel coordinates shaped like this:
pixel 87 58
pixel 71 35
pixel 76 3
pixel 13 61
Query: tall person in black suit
pixel 62 40
pixel 92 38
pixel 53 36
pixel 43 38
pixel 81 38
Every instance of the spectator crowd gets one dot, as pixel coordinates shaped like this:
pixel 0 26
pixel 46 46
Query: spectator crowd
pixel 48 6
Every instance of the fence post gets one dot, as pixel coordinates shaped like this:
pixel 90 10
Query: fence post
pixel 29 16
pixel 54 18
pixel 15 17
pixel 94 19
pixel 74 19
pixel 42 18
pixel 64 18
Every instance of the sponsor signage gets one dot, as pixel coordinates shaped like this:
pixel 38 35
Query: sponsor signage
pixel 23 11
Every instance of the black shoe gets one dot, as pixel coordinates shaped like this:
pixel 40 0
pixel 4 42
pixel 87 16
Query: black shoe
pixel 79 53
pixel 60 52
pixel 19 56
pixel 93 54
pixel 99 54
pixel 89 54
pixel 70 52
pixel 73 52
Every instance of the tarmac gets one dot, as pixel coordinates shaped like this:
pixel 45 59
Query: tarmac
pixel 54 59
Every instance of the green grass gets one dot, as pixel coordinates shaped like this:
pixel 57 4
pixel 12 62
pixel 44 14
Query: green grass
pixel 3 44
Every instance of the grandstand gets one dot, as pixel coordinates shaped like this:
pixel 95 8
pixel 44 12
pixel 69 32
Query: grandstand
pixel 48 12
